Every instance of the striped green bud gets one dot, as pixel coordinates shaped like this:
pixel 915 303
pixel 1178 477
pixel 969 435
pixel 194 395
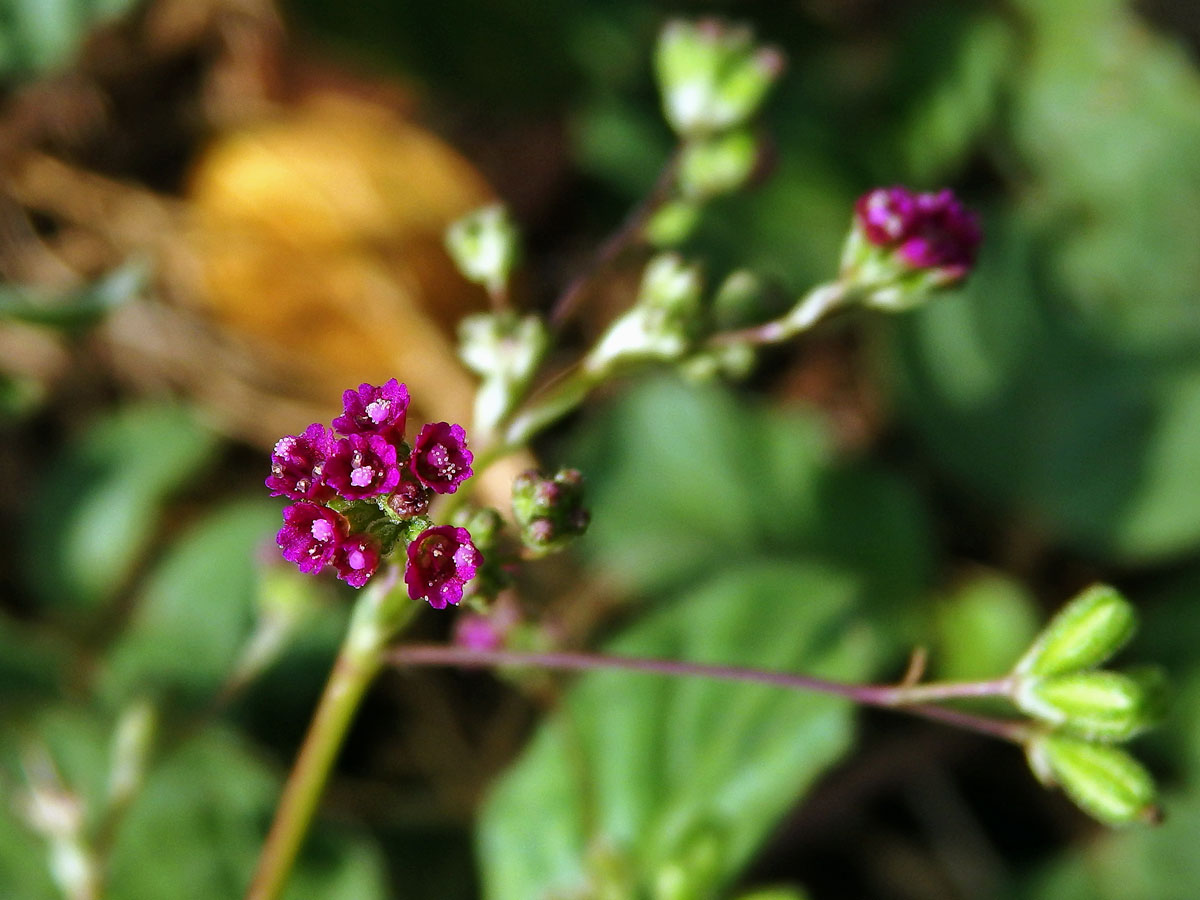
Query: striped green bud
pixel 1086 632
pixel 1097 705
pixel 1104 781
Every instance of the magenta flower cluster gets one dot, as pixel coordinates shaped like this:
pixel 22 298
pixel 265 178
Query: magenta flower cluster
pixel 357 471
pixel 926 231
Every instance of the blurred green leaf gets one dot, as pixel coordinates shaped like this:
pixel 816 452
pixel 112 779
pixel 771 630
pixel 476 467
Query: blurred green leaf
pixel 194 829
pixel 19 396
pixel 37 35
pixel 975 62
pixel 639 773
pixel 197 610
pixel 198 826
pixel 1107 118
pixel 99 501
pixel 1088 444
pixel 983 627
pixel 24 860
pixel 31 665
pixel 76 308
pixel 684 481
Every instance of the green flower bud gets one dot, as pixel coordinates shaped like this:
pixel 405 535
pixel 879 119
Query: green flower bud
pixel 718 164
pixel 672 223
pixel 712 75
pixel 1104 781
pixel 690 873
pixel 1103 706
pixel 485 246
pixel 662 323
pixel 549 510
pixel 729 361
pixel 1087 631
pixel 505 351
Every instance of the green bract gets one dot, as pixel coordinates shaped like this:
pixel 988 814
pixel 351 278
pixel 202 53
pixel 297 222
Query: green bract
pixel 1089 630
pixel 1105 706
pixel 1104 781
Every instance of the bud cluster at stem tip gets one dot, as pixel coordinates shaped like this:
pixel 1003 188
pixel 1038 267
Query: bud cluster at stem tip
pixel 362 493
pixel 1084 710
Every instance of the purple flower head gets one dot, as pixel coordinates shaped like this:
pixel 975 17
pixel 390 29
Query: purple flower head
pixel 887 215
pixel 440 458
pixel 928 231
pixel 298 463
pixel 945 236
pixel 362 465
pixel 441 560
pixel 356 559
pixel 310 535
pixel 375 410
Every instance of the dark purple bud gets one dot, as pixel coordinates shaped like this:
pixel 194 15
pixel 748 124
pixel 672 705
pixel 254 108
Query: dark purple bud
pixel 932 231
pixel 542 531
pixel 375 410
pixel 356 559
pixel 441 560
pixel 298 464
pixel 440 458
pixel 945 236
pixel 410 499
pixel 363 465
pixel 310 536
pixel 887 215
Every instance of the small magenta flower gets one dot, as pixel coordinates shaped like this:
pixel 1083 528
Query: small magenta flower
pixel 363 465
pixel 375 410
pixel 441 560
pixel 298 464
pixel 356 559
pixel 440 458
pixel 311 536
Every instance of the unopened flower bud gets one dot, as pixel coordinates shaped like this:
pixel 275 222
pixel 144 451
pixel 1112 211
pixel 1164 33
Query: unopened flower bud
pixel 712 75
pixel 1104 781
pixel 1086 632
pixel 905 245
pixel 409 499
pixel 504 350
pixel 1097 705
pixel 718 164
pixel 672 223
pixel 549 510
pixel 485 246
pixel 663 321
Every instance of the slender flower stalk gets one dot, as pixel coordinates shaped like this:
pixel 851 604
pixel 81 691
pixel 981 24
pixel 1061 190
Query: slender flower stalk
pixel 913 699
pixel 380 613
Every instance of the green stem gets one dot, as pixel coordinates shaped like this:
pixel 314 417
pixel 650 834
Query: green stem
pixel 380 613
pixel 912 699
pixel 812 308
